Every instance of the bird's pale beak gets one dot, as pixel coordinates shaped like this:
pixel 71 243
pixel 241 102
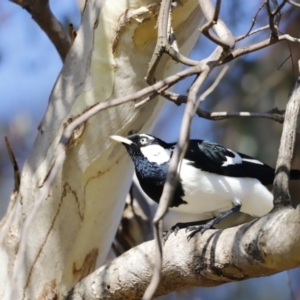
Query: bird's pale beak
pixel 121 139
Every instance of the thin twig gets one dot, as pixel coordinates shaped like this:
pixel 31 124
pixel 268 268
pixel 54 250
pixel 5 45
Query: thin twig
pixel 253 32
pixel 289 283
pixel 274 17
pixel 290 56
pixel 17 179
pixel 274 30
pixel 285 153
pixel 144 101
pixel 260 45
pixel 252 24
pixel 277 12
pixel 214 85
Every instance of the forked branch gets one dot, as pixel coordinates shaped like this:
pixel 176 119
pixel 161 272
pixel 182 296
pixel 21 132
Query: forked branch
pixel 42 14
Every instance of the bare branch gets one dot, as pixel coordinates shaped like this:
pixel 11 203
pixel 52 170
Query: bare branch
pixel 222 115
pixel 274 30
pixel 162 41
pixel 294 3
pixel 178 57
pixel 285 154
pixel 163 44
pixel 263 44
pixel 213 258
pixel 215 84
pixel 224 36
pixel 252 24
pixel 173 97
pixel 289 283
pixel 252 32
pixel 277 12
pixel 274 17
pixel 274 114
pixel 44 17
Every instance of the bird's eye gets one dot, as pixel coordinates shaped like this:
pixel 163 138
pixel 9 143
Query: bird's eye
pixel 143 141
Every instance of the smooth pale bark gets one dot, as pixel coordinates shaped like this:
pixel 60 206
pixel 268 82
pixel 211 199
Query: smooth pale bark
pixel 262 247
pixel 74 228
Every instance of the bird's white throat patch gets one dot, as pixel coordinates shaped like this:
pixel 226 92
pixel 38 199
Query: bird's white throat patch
pixel 156 154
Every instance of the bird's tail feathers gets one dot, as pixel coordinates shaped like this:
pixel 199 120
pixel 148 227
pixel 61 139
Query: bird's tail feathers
pixel 295 174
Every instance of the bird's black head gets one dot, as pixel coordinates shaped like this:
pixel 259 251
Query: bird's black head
pixel 151 157
pixel 146 146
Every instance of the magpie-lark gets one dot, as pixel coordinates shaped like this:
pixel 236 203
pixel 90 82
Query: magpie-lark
pixel 213 181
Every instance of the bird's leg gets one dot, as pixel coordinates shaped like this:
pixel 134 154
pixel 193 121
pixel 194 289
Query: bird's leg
pixel 174 229
pixel 201 228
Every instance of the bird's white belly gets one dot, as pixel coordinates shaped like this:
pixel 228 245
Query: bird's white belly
pixel 210 194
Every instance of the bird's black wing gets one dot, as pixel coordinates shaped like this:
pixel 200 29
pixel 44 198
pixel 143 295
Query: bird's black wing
pixel 214 158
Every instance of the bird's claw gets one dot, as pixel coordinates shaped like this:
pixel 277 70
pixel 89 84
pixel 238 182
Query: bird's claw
pixel 197 229
pixel 174 229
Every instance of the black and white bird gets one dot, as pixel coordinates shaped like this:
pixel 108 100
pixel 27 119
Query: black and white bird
pixel 213 181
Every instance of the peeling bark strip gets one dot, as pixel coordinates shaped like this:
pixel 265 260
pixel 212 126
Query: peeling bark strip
pixel 286 149
pixel 262 247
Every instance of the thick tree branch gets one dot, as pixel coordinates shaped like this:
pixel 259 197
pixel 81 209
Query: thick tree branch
pixel 260 248
pixel 286 149
pixel 44 17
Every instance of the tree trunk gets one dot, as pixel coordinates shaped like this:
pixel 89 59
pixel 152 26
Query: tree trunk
pixel 74 228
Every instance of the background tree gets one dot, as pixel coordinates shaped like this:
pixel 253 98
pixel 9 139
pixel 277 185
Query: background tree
pixel 84 156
